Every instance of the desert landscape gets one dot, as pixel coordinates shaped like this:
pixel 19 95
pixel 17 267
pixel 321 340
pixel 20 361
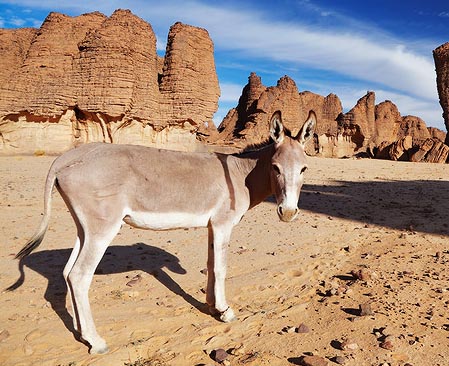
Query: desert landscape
pixel 359 279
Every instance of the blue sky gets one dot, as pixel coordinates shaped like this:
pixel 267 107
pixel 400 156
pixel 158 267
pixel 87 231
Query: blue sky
pixel 326 46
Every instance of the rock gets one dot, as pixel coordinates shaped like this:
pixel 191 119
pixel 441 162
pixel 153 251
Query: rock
pixel 134 281
pixel 302 328
pixel 363 274
pixel 289 329
pixel 360 119
pixel 219 355
pixel 247 124
pixel 314 361
pixel 349 345
pixel 387 343
pixel 340 360
pixel 97 78
pixel 365 309
pixel 441 58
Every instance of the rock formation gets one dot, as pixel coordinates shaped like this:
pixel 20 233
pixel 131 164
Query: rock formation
pixel 97 78
pixel 375 130
pixel 247 124
pixel 441 58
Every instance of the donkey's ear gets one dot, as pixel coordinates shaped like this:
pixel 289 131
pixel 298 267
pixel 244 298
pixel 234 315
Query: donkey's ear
pixel 277 128
pixel 307 130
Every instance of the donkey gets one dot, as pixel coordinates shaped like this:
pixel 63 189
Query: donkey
pixel 104 185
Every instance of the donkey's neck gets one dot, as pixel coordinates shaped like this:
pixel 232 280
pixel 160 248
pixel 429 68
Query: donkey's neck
pixel 255 167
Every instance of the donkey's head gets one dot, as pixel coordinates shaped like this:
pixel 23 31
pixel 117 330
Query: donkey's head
pixel 288 164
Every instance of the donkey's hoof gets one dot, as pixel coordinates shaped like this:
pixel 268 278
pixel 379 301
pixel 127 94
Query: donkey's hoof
pixel 213 311
pixel 228 316
pixel 99 350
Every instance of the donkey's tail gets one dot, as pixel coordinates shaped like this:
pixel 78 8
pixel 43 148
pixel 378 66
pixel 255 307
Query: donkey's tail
pixel 37 238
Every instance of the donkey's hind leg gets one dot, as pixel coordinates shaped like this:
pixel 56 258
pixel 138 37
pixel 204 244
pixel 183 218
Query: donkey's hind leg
pixel 67 269
pixel 80 278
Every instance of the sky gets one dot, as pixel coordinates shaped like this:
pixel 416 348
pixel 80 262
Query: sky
pixel 345 47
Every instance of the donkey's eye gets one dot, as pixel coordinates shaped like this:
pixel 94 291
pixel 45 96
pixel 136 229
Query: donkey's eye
pixel 303 169
pixel 276 169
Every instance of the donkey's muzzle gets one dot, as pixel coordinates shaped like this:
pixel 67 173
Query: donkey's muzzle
pixel 287 214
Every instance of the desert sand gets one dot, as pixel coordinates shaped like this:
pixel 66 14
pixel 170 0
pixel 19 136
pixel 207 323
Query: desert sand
pixel 359 279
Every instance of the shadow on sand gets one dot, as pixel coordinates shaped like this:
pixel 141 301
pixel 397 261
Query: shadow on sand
pixel 117 259
pixel 416 205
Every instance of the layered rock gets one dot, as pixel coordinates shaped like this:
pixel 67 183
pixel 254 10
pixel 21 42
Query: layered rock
pixel 248 123
pixel 441 58
pixel 360 120
pixel 97 78
pixel 375 130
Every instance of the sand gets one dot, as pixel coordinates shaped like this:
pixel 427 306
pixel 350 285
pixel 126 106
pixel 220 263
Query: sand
pixel 387 222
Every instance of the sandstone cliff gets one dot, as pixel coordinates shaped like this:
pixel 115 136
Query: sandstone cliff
pixel 441 57
pixel 97 78
pixel 374 130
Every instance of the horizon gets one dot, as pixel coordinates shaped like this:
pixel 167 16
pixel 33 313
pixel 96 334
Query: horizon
pixel 345 49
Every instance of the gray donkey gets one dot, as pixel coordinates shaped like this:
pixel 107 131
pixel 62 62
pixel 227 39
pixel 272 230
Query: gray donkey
pixel 104 185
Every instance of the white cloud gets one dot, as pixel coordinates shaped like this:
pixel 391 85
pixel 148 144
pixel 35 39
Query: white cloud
pixel 230 92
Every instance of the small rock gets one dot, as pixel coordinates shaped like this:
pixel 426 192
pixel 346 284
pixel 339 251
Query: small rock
pixel 134 281
pixel 219 355
pixel 204 271
pixel 289 329
pixel 340 360
pixel 314 361
pixel 302 328
pixel 387 344
pixel 349 345
pixel 364 274
pixel 365 309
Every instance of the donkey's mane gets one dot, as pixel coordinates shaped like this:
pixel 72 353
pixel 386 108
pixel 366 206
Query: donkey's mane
pixel 260 145
pixel 255 146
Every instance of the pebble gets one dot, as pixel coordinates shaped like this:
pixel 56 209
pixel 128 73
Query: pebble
pixel 302 328
pixel 314 361
pixel 387 344
pixel 349 345
pixel 364 274
pixel 365 309
pixel 134 281
pixel 289 329
pixel 340 360
pixel 219 355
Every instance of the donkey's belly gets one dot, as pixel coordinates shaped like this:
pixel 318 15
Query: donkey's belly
pixel 166 220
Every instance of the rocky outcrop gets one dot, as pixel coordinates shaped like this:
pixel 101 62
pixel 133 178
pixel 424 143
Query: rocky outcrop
pixel 441 58
pixel 367 129
pixel 360 119
pixel 97 78
pixel 247 124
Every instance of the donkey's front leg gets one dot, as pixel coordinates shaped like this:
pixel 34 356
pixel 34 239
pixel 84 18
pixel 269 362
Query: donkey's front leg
pixel 216 272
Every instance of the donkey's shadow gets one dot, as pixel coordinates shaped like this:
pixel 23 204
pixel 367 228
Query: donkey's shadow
pixel 117 259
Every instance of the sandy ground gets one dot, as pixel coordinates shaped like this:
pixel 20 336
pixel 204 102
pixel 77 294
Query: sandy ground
pixel 290 284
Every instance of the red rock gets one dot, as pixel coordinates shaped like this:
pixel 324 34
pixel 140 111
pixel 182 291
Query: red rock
pixel 314 361
pixel 441 58
pixel 219 355
pixel 97 78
